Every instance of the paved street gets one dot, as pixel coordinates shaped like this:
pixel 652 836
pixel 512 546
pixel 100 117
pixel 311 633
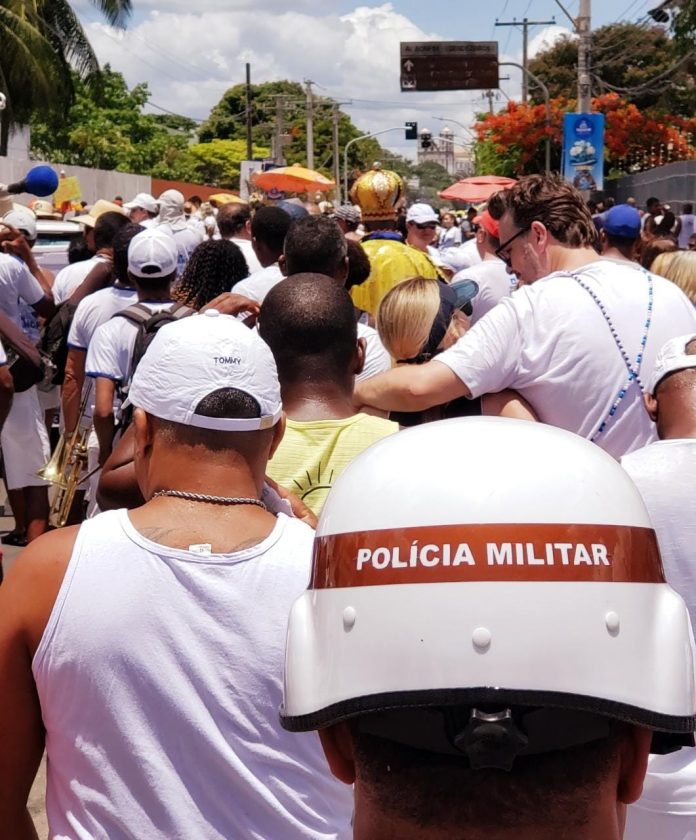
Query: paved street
pixel 38 792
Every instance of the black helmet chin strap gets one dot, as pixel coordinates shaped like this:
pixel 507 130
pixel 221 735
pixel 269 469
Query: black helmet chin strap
pixel 491 740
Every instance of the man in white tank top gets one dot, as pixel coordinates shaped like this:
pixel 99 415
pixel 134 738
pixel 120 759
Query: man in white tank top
pixel 144 650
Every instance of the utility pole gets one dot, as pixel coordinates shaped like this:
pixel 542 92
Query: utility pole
pixel 310 124
pixel 335 118
pixel 277 150
pixel 489 94
pixel 249 150
pixel 584 29
pixel 525 24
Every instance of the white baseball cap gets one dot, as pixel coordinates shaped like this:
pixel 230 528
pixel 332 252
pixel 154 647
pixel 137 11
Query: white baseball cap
pixel 23 219
pixel 421 214
pixel 192 358
pixel 671 358
pixel 152 253
pixel 143 200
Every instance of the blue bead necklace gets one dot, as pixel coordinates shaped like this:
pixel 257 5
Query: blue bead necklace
pixel 633 368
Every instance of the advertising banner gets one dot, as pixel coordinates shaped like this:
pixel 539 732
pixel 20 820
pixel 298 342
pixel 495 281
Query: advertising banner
pixel 583 150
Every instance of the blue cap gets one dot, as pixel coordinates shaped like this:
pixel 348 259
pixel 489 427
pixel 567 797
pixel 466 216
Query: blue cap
pixel 622 220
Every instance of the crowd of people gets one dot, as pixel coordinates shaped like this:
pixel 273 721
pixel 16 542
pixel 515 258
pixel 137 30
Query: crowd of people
pixel 265 595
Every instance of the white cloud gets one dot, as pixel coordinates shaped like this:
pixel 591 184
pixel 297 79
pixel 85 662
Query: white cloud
pixel 547 38
pixel 189 58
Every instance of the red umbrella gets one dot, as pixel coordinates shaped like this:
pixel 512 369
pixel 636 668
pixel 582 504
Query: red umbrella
pixel 476 189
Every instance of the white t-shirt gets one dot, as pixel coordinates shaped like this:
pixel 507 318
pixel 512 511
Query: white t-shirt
pixel 494 284
pixel 70 278
pixel 377 360
pixel 96 309
pixel 260 283
pixel 550 342
pixel 110 351
pixel 450 237
pixel 688 222
pixel 462 257
pixel 187 238
pixel 17 284
pixel 664 474
pixel 160 676
pixel 247 249
pixel 3 355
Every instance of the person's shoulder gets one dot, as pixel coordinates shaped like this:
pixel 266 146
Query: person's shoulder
pixel 295 531
pixel 32 584
pixel 379 426
pixel 11 268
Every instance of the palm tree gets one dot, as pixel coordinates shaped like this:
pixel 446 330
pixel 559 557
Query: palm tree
pixel 41 41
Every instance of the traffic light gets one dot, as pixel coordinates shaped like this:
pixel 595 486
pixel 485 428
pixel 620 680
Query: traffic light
pixel 426 139
pixel 411 130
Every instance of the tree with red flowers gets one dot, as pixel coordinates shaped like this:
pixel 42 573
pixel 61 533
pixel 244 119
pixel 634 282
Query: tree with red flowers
pixel 512 141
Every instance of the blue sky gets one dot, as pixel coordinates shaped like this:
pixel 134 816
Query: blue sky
pixel 190 52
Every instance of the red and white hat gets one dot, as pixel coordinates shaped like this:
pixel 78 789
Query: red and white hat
pixel 488 562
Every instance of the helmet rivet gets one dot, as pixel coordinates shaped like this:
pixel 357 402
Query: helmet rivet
pixel 348 618
pixel 613 623
pixel 481 638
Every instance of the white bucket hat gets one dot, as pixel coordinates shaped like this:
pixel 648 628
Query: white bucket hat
pixel 192 358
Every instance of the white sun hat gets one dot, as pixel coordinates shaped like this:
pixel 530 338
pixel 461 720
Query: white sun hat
pixel 194 357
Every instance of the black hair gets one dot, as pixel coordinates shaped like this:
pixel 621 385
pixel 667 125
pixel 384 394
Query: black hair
pixel 107 226
pixel 214 267
pixel 152 285
pixel 270 226
pixel 440 792
pixel 652 200
pixel 79 250
pixel 308 321
pixel 621 242
pixel 224 403
pixel 231 218
pixel 120 247
pixel 229 403
pixel 688 208
pixel 315 245
pixel 358 264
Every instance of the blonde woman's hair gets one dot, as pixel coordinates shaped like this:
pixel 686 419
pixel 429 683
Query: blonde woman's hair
pixel 406 315
pixel 680 268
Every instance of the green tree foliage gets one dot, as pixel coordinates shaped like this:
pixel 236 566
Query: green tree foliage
pixel 105 128
pixel 625 56
pixel 683 24
pixel 287 99
pixel 42 45
pixel 215 163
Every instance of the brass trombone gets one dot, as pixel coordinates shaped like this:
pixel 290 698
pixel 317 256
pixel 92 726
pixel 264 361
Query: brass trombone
pixel 66 464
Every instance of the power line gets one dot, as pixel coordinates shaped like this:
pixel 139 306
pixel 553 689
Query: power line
pixel 647 85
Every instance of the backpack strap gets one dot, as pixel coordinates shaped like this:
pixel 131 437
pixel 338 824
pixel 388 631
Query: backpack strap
pixel 136 313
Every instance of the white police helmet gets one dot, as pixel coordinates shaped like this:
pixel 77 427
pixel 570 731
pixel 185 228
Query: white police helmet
pixel 481 566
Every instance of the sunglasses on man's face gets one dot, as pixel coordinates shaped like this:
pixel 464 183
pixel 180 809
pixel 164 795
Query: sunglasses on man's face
pixel 503 253
pixel 426 225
